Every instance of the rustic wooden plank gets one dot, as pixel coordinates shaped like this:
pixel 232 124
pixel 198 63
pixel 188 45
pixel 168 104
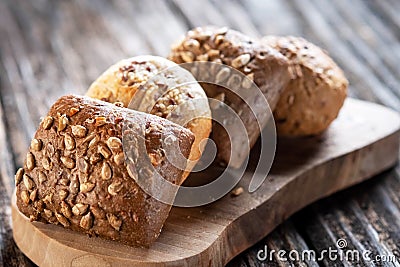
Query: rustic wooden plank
pixel 12 85
pixel 375 32
pixel 120 29
pixel 346 23
pixel 10 255
pixel 148 16
pixel 199 13
pixel 387 11
pixel 7 168
pixel 361 77
pixel 236 17
pixel 273 17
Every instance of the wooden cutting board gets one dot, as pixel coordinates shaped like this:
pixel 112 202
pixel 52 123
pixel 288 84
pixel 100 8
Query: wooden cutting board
pixel 362 142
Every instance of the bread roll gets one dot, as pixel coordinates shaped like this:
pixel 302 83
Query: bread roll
pixel 75 174
pixel 260 63
pixel 122 81
pixel 316 92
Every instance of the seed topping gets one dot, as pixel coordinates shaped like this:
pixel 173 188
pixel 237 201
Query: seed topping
pixel 47 122
pixel 30 161
pixel 36 144
pixel 241 60
pixel 79 131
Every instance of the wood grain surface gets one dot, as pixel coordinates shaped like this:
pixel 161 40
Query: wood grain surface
pixel 304 170
pixel 53 47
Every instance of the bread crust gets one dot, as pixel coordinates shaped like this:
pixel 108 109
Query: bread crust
pixel 75 174
pixel 316 92
pixel 259 62
pixel 122 81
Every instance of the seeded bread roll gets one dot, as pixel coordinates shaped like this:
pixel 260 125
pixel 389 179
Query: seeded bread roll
pixel 260 63
pixel 123 82
pixel 75 174
pixel 315 94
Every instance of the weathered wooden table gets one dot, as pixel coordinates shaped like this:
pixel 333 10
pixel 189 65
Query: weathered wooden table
pixel 49 48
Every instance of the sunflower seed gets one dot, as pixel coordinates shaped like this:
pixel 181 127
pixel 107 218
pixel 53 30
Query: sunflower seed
pixel 68 162
pixel 62 122
pixel 25 197
pixel 213 53
pixel 104 151
pixel 63 194
pixel 92 141
pixel 201 58
pixel 48 213
pixel 79 131
pixel 47 122
pixel 33 194
pixel 204 35
pixel 114 221
pixel 119 158
pixel 106 172
pixel 86 221
pixel 191 44
pixel 66 209
pixel 30 161
pixel 114 143
pixel 61 219
pixel 240 61
pixel 79 209
pixel 28 182
pixel 42 177
pixel 86 187
pixel 89 138
pixel 114 188
pixel 46 163
pixel 69 142
pixel 18 176
pixel 73 111
pixel 48 199
pixel 36 144
pixel 187 56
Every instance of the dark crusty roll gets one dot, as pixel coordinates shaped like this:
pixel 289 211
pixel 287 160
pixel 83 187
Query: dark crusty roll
pixel 260 63
pixel 75 173
pixel 316 92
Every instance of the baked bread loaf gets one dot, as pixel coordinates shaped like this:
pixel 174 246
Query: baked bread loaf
pixel 259 62
pixel 316 92
pixel 75 173
pixel 155 85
